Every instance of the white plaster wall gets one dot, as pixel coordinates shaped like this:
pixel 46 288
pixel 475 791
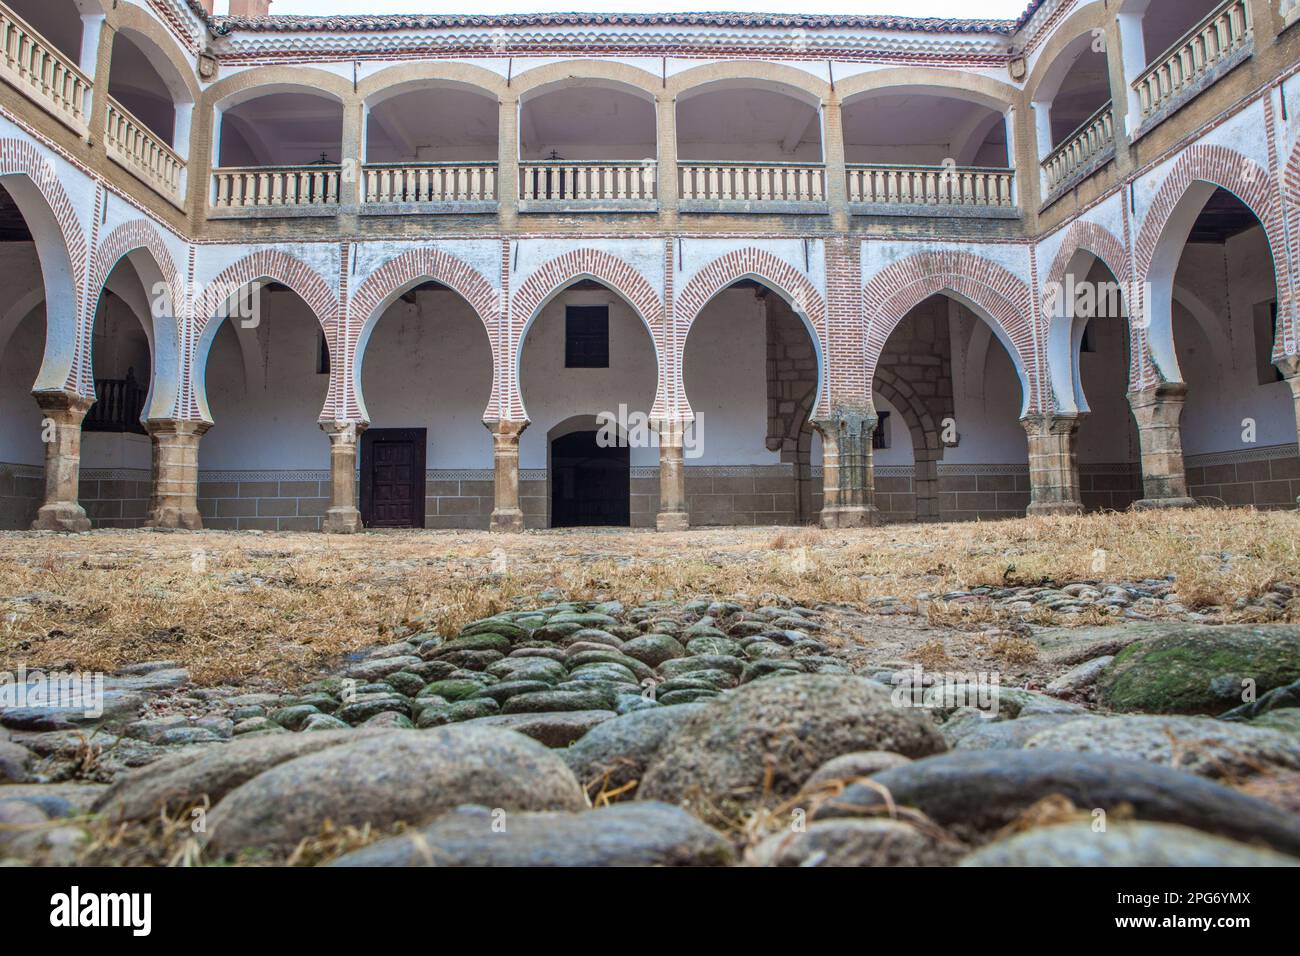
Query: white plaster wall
pixel 900 450
pixel 725 369
pixel 1219 287
pixel 20 418
pixel 989 423
pixel 428 365
pixel 269 423
pixel 553 393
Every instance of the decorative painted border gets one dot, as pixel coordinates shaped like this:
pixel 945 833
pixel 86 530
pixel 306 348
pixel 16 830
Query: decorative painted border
pixel 1265 453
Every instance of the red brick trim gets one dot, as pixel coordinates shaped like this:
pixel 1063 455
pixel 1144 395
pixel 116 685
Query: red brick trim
pixel 19 157
pixel 998 293
pixel 268 264
pixel 562 271
pixel 408 269
pixel 1245 179
pixel 1106 246
pixel 762 266
pixel 1291 188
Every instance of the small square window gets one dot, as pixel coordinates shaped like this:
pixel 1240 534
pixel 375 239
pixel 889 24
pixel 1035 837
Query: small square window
pixel 1265 336
pixel 880 437
pixel 586 336
pixel 322 354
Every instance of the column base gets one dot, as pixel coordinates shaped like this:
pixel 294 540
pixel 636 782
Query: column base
pixel 1052 508
pixel 1156 504
pixel 174 519
pixel 63 516
pixel 507 521
pixel 852 517
pixel 341 521
pixel 672 521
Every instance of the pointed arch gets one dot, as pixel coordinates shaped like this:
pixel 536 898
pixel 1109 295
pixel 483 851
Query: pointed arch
pixel 266 265
pixel 393 278
pixel 61 247
pixel 140 241
pixel 1060 337
pixel 993 292
pixel 1164 232
pixel 549 280
pixel 762 266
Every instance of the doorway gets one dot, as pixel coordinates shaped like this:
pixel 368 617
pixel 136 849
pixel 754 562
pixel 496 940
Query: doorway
pixel 392 477
pixel 590 485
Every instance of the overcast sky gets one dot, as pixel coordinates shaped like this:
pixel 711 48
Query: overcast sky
pixel 998 9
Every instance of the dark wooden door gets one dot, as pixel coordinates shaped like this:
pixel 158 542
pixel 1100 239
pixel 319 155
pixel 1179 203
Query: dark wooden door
pixel 590 485
pixel 392 477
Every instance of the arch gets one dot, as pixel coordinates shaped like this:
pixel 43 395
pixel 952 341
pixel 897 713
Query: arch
pixel 994 293
pixel 1166 225
pixel 552 278
pixel 259 81
pixel 554 76
pixel 1080 24
pixel 159 46
pixel 761 266
pixel 971 87
pixel 743 73
pixel 927 447
pixel 139 241
pixel 399 274
pixel 270 265
pixel 62 251
pixel 394 80
pixel 1291 184
pixel 1061 337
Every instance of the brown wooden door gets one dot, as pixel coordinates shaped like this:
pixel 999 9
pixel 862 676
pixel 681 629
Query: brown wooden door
pixel 392 477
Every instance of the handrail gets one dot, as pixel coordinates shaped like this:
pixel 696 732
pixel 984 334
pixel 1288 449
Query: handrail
pixel 41 71
pixel 140 148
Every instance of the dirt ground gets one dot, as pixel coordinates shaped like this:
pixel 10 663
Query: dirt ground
pixel 239 606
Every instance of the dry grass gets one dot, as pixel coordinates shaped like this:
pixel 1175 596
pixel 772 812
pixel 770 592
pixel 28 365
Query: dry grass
pixel 279 607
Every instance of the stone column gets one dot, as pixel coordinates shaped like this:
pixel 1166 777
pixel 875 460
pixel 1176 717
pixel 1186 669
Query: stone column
pixel 508 159
pixel 61 432
pixel 666 188
pixel 848 483
pixel 352 187
pixel 1289 366
pixel 506 515
pixel 673 514
pixel 174 474
pixel 1053 465
pixel 837 186
pixel 342 517
pixel 1157 410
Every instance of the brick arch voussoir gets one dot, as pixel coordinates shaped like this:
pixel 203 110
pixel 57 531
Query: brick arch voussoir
pixel 898 288
pixel 1085 236
pixel 617 273
pixel 620 275
pixel 1251 183
pixel 121 242
pixel 18 157
pixel 274 266
pixel 433 264
pixel 730 267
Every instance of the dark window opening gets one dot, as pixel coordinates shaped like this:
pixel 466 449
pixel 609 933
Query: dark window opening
pixel 880 437
pixel 1087 343
pixel 586 336
pixel 1265 336
pixel 322 355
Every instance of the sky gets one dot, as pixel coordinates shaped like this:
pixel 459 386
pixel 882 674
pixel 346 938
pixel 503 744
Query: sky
pixel 994 9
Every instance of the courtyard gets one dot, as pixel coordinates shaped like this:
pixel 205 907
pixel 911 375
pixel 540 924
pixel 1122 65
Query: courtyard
pixel 703 689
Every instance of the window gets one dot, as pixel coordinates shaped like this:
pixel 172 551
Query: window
pixel 1087 343
pixel 1265 336
pixel 586 336
pixel 322 354
pixel 880 437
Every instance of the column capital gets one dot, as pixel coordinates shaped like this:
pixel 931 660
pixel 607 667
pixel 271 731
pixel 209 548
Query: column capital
pixel 506 429
pixel 177 426
pixel 1053 424
pixel 1289 365
pixel 345 432
pixel 66 407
